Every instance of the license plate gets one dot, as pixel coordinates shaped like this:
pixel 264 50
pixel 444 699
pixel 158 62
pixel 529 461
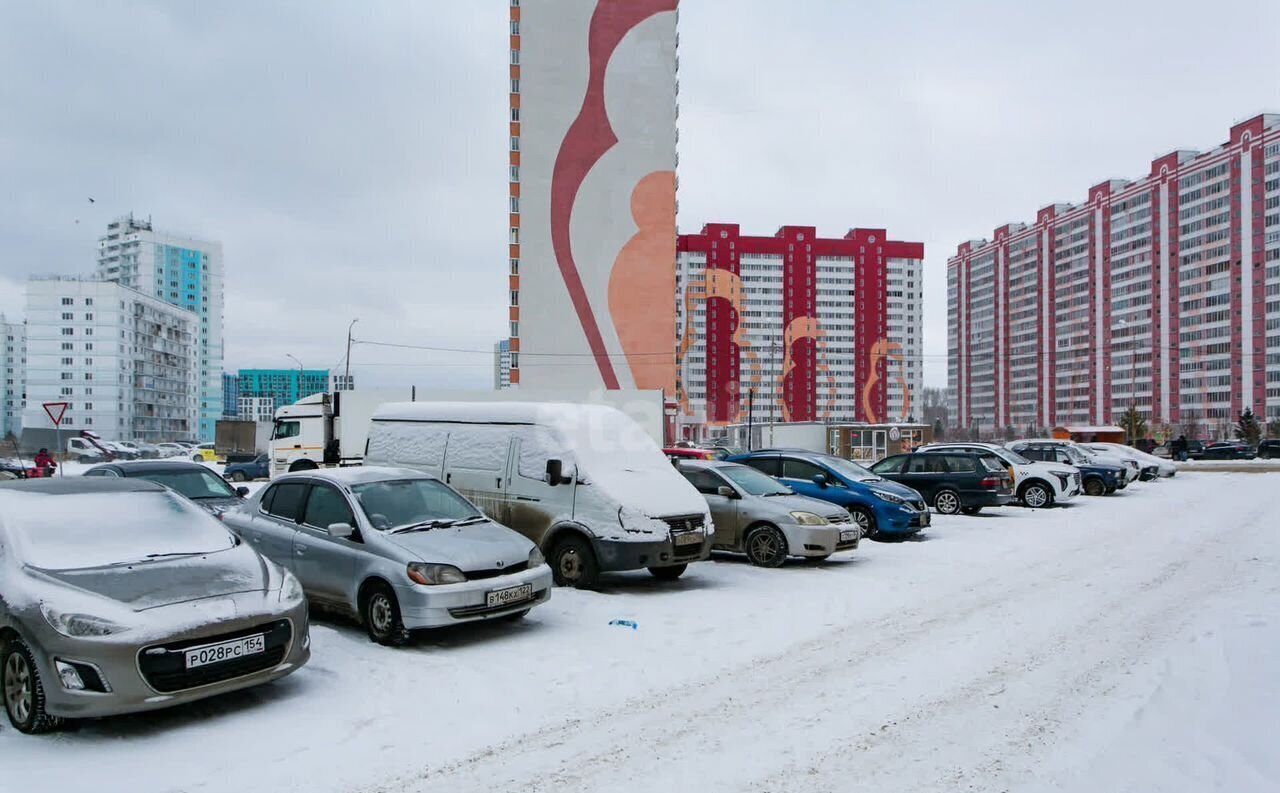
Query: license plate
pixel 688 539
pixel 848 535
pixel 503 597
pixel 226 651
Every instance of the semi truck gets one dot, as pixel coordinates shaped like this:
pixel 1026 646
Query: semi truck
pixel 326 430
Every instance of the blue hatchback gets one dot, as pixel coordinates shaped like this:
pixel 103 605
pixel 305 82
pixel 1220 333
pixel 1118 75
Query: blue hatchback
pixel 881 507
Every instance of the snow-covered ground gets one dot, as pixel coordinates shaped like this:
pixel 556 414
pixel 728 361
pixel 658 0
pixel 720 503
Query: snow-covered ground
pixel 1127 643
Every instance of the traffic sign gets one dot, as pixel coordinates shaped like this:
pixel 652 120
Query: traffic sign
pixel 55 411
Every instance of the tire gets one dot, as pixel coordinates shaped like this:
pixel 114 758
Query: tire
pixel 1036 495
pixel 380 613
pixel 1093 486
pixel 866 521
pixel 573 563
pixel 239 476
pixel 668 573
pixel 946 502
pixel 23 691
pixel 1111 490
pixel 766 546
pixel 971 510
pixel 303 465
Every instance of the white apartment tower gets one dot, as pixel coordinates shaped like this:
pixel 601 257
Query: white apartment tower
pixel 13 364
pixel 184 272
pixel 124 361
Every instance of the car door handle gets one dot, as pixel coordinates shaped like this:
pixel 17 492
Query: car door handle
pixel 499 481
pixel 300 550
pixel 448 478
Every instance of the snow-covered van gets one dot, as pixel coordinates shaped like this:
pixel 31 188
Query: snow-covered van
pixel 585 482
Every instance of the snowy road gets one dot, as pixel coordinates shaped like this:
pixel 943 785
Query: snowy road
pixel 1125 643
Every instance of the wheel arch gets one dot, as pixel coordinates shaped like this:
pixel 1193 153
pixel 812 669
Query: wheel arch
pixel 367 586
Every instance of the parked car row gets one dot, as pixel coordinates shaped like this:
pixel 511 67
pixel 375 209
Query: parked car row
pixel 144 584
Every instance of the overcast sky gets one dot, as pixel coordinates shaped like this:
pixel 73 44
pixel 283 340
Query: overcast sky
pixel 351 157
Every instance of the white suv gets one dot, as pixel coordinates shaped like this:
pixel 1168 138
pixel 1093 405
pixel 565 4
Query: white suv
pixel 1035 484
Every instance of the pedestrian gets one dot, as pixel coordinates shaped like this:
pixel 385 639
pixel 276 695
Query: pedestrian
pixel 45 463
pixel 1180 448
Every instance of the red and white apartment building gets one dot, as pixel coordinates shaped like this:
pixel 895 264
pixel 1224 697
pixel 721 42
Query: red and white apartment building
pixel 808 328
pixel 1162 293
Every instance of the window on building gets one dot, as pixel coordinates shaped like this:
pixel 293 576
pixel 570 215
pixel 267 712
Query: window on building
pixel 515 173
pixel 515 85
pixel 515 205
pixel 67 301
pixel 67 375
pixel 515 27
pixel 515 297
pixel 67 315
pixel 515 329
pixel 515 236
pixel 515 115
pixel 88 301
pixel 65 362
pixel 515 266
pixel 515 360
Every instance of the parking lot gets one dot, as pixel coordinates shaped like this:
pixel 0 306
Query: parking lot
pixel 1011 650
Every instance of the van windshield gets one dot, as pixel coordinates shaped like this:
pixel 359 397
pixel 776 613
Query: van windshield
pixel 405 502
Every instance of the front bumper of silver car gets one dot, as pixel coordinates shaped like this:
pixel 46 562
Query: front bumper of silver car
pixel 450 604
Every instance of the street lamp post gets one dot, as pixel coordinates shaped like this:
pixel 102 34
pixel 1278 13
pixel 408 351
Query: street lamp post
pixel 346 375
pixel 297 391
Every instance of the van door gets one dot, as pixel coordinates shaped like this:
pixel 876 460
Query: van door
pixel 533 504
pixel 475 464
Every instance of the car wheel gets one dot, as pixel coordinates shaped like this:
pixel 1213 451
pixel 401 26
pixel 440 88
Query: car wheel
pixel 668 573
pixel 865 521
pixel 1093 486
pixel 766 546
pixel 947 502
pixel 1037 496
pixel 971 510
pixel 573 563
pixel 381 614
pixel 196 458
pixel 239 476
pixel 1111 490
pixel 303 465
pixel 23 691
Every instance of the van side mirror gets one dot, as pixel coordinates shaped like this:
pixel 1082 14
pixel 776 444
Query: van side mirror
pixel 242 491
pixel 820 480
pixel 726 491
pixel 555 472
pixel 341 531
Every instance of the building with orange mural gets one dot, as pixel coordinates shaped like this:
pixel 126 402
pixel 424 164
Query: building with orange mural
pixel 806 328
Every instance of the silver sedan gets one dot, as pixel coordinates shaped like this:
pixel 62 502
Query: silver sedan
pixel 763 518
pixel 118 595
pixel 395 548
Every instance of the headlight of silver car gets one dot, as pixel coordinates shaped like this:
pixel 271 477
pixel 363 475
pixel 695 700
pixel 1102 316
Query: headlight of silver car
pixel 291 588
pixel 434 574
pixel 536 559
pixel 808 519
pixel 79 625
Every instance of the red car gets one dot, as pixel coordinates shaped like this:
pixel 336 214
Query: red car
pixel 689 454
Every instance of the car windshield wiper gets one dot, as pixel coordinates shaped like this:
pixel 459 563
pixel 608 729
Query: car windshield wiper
pixel 471 520
pixel 426 525
pixel 151 557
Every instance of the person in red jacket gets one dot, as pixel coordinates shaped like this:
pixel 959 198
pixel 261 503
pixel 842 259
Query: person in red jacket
pixel 45 463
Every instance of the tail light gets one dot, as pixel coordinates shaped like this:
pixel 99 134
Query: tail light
pixel 990 481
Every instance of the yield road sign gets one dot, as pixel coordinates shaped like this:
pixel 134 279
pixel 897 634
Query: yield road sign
pixel 55 411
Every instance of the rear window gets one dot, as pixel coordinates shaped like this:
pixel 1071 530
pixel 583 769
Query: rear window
pixel 72 532
pixel 285 499
pixel 769 465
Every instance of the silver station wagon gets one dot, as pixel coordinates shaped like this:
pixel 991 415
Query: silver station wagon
pixel 397 549
pixel 118 595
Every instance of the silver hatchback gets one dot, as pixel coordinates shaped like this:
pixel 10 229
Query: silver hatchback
pixel 397 549
pixel 763 518
pixel 118 595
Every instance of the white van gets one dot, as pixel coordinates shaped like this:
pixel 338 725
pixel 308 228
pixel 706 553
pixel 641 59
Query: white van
pixel 585 482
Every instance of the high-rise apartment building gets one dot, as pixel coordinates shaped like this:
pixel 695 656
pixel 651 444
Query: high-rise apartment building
pixel 1161 293
pixel 13 365
pixel 592 194
pixel 810 328
pixel 282 386
pixel 502 365
pixel 184 272
pixel 124 362
pixel 339 381
pixel 230 395
pixel 256 408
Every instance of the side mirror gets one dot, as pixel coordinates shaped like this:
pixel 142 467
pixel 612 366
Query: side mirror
pixel 242 491
pixel 726 491
pixel 555 472
pixel 820 480
pixel 341 531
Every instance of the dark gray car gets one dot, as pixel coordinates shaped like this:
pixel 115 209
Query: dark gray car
pixel 118 595
pixel 195 481
pixel 757 515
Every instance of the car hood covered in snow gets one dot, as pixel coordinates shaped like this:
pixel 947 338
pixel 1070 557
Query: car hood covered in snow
pixel 479 546
pixel 164 582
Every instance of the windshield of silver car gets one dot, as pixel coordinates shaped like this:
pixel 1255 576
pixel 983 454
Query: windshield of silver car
pixel 754 482
pixel 406 502
pixel 77 531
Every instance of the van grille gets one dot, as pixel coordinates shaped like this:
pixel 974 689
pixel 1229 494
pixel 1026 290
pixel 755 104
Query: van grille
pixel 685 523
